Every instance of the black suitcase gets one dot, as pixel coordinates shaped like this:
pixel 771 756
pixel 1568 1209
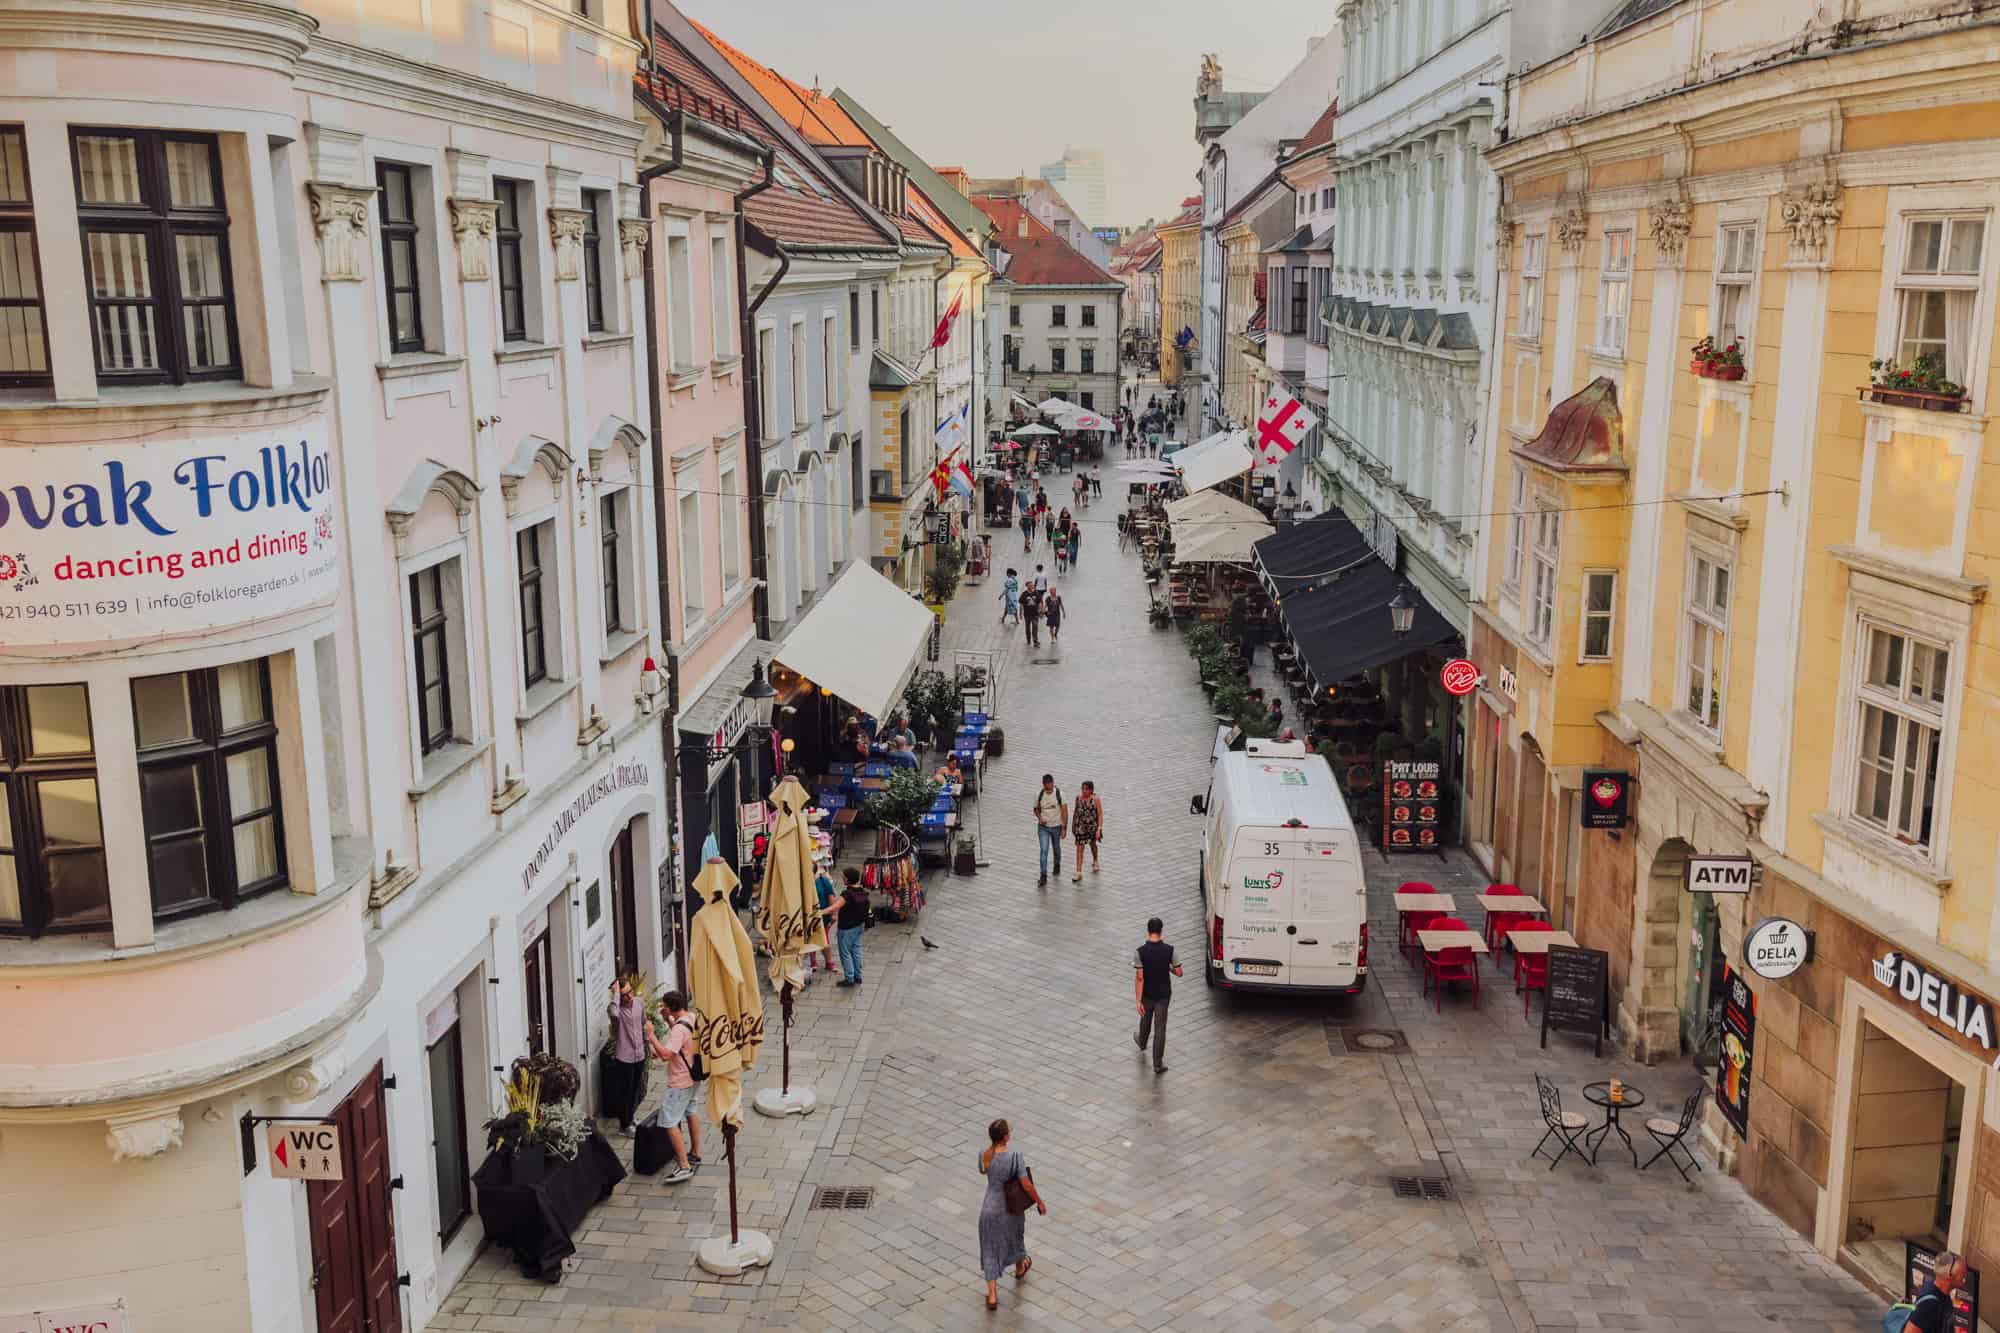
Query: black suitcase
pixel 651 1148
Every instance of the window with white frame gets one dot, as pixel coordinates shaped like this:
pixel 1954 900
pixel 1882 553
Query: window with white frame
pixel 534 572
pixel 767 382
pixel 801 389
pixel 1900 695
pixel 437 651
pixel 720 278
pixel 1517 527
pixel 1937 286
pixel 1600 603
pixel 731 510
pixel 1706 638
pixel 617 562
pixel 680 301
pixel 829 355
pixel 1531 287
pixel 1543 558
pixel 1614 292
pixel 1735 270
pixel 693 588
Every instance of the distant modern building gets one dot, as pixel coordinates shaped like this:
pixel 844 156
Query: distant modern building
pixel 1062 331
pixel 1080 174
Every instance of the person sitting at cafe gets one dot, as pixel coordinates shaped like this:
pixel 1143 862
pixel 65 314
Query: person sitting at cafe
pixel 950 770
pixel 899 730
pixel 899 754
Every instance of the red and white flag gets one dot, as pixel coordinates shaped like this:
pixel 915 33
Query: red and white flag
pixel 943 334
pixel 1281 424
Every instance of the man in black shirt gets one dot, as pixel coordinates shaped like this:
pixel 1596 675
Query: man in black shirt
pixel 1153 988
pixel 1933 1304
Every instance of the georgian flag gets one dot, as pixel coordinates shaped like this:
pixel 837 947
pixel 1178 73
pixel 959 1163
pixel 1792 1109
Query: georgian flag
pixel 1281 424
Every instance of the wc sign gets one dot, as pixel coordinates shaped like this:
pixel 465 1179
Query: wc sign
pixel 1720 874
pixel 303 1152
pixel 1777 948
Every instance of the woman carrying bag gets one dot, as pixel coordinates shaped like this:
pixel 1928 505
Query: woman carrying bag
pixel 1003 1220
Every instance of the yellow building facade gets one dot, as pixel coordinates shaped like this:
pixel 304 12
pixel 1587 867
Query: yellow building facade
pixel 1180 294
pixel 1748 588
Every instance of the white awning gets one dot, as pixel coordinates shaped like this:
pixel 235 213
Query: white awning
pixel 1214 460
pixel 1207 526
pixel 861 640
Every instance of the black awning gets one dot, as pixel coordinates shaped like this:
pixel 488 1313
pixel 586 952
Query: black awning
pixel 1310 546
pixel 1342 627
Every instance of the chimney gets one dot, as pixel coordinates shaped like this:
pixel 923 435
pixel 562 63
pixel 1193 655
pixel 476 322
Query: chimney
pixel 1024 226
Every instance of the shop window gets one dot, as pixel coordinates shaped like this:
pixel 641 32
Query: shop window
pixel 1707 639
pixel 24 351
pixel 1530 327
pixel 1735 272
pixel 156 250
pixel 515 202
pixel 533 545
pixel 430 645
pixel 1614 292
pixel 208 786
pixel 593 260
pixel 1600 596
pixel 1900 696
pixel 401 286
pixel 1937 287
pixel 1544 557
pixel 52 873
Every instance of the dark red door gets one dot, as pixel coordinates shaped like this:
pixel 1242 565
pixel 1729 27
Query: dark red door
pixel 353 1237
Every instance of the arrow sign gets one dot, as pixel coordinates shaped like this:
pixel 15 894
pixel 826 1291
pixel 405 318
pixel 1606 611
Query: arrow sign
pixel 304 1152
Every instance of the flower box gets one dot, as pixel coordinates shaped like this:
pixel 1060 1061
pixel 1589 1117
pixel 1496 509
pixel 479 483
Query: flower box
pixel 1929 402
pixel 1716 370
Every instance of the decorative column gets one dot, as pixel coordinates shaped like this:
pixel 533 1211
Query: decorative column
pixel 1569 229
pixel 1811 211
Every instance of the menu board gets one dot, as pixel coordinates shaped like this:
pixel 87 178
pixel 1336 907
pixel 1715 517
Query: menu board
pixel 1412 805
pixel 1919 1263
pixel 1739 1036
pixel 1579 994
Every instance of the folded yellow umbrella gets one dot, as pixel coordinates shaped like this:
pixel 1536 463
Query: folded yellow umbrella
pixel 787 907
pixel 722 976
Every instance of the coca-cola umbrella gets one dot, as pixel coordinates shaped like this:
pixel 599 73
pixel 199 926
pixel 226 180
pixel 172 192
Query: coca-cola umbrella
pixel 729 1031
pixel 788 918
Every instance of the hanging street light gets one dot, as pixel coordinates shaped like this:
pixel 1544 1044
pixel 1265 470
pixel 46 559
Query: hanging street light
pixel 1402 611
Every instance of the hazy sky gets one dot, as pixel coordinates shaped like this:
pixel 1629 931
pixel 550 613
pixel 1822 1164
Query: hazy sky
pixel 1002 88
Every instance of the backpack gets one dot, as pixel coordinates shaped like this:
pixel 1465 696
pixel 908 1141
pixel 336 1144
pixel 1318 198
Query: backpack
pixel 696 1069
pixel 1897 1317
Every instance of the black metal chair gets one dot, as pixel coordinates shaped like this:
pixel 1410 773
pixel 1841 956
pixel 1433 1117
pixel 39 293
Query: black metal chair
pixel 1566 1127
pixel 1672 1134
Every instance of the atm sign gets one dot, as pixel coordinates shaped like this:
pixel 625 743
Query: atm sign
pixel 304 1152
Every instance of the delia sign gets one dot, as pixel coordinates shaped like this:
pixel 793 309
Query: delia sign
pixel 162 538
pixel 1970 1016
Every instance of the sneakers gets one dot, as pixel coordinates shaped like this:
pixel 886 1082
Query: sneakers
pixel 679 1174
pixel 694 1159
pixel 845 982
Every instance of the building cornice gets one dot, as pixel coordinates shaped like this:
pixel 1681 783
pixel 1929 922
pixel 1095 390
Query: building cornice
pixel 252 32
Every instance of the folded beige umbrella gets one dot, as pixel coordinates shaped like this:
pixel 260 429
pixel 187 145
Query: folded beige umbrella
pixel 788 918
pixel 722 976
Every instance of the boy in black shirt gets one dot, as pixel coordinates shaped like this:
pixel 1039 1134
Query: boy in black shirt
pixel 1153 988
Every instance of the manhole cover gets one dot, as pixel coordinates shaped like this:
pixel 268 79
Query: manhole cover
pixel 843 1197
pixel 1431 1189
pixel 1374 1041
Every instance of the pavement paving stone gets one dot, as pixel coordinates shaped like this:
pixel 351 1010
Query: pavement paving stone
pixel 1246 1188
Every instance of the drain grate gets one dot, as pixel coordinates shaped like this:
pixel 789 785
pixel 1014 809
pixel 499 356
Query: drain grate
pixel 843 1197
pixel 1432 1189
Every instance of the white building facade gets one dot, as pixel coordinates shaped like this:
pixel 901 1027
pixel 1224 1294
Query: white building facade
pixel 334 778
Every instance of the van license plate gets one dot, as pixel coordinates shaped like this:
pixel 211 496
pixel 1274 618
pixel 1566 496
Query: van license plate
pixel 1256 969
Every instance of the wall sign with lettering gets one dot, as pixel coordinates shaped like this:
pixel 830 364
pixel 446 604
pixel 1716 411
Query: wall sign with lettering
pixel 1720 874
pixel 1967 1014
pixel 1777 947
pixel 1607 799
pixel 77 1319
pixel 1412 805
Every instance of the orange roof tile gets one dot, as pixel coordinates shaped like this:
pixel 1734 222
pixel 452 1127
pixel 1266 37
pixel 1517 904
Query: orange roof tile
pixel 1041 258
pixel 815 115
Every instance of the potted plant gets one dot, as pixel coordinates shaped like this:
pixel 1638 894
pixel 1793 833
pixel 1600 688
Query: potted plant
pixel 905 801
pixel 965 856
pixel 1717 363
pixel 1922 384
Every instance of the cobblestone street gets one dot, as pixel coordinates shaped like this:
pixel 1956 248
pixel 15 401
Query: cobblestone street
pixel 1248 1187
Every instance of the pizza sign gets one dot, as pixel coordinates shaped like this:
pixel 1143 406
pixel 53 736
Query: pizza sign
pixel 1607 799
pixel 1460 677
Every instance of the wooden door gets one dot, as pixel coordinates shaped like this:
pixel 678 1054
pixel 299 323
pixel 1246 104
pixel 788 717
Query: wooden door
pixel 539 972
pixel 624 905
pixel 353 1231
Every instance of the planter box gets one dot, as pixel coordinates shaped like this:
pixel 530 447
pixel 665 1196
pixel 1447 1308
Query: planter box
pixel 964 863
pixel 1929 402
pixel 1717 372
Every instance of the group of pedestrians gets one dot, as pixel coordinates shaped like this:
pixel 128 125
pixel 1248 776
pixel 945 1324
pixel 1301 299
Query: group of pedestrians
pixel 1039 603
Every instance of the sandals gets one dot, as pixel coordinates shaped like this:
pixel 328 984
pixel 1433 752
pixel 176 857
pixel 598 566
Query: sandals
pixel 992 1302
pixel 1021 1269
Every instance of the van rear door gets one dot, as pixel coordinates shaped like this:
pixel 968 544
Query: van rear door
pixel 1255 943
pixel 1329 904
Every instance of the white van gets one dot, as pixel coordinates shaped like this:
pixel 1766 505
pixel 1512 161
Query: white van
pixel 1284 903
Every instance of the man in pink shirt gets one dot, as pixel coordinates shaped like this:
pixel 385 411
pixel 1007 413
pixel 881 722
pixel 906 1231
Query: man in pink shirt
pixel 678 1053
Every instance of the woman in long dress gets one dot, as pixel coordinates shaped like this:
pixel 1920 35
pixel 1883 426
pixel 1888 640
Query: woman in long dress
pixel 1003 1236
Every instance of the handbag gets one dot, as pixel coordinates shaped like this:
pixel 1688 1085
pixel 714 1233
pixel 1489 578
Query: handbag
pixel 1016 1194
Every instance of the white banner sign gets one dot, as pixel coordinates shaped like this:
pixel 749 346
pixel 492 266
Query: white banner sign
pixel 157 538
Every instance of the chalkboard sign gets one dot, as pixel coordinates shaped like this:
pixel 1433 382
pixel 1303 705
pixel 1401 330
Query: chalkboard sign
pixel 1919 1264
pixel 1579 994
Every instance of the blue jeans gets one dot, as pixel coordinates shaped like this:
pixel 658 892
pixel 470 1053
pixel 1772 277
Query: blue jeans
pixel 849 940
pixel 1049 849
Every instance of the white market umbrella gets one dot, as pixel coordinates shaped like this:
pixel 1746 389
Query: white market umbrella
pixel 1036 430
pixel 1055 406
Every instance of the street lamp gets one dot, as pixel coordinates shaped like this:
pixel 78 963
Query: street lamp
pixel 1288 505
pixel 762 700
pixel 1402 611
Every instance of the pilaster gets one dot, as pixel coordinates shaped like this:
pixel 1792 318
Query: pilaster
pixel 1668 223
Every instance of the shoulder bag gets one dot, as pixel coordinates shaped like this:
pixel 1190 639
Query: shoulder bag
pixel 1018 1199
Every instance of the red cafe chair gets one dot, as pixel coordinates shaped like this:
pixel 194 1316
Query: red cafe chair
pixel 1531 970
pixel 1403 929
pixel 1499 923
pixel 1454 964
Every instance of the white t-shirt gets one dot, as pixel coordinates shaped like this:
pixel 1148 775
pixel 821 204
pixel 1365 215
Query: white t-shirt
pixel 1039 581
pixel 1048 808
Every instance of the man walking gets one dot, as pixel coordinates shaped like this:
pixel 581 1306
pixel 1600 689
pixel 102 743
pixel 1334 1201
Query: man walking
pixel 1931 1312
pixel 1051 823
pixel 677 1104
pixel 1153 988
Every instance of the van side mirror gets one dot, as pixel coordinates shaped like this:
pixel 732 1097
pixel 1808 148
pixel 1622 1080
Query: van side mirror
pixel 1198 804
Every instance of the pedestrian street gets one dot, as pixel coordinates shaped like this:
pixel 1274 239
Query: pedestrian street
pixel 1250 1186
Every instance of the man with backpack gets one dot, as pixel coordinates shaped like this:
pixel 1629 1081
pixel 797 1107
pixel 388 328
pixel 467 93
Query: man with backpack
pixel 1051 823
pixel 1930 1312
pixel 684 1073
